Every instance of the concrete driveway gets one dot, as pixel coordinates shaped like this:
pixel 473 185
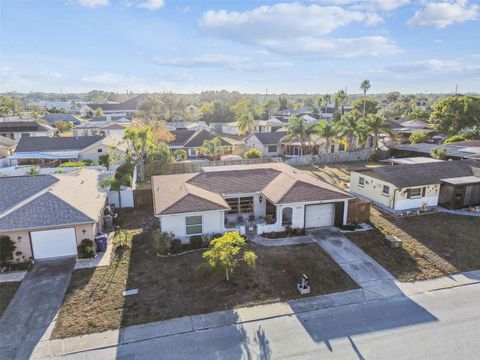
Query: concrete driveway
pixel 34 307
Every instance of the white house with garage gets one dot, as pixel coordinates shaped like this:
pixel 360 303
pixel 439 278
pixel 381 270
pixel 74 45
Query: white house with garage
pixel 47 216
pixel 251 199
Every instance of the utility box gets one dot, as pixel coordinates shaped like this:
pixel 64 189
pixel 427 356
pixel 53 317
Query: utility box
pixel 393 241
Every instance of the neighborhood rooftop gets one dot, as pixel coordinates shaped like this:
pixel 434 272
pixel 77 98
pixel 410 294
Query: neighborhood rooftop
pixel 203 191
pixel 19 126
pixel 270 138
pixel 44 143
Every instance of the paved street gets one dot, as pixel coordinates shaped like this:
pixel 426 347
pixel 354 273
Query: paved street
pixel 442 324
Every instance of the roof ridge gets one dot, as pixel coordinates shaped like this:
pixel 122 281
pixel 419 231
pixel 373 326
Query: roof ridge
pixel 49 191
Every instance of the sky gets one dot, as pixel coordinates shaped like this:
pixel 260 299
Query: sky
pixel 315 46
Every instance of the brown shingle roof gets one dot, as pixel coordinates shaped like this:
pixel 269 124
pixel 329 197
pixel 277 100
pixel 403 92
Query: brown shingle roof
pixel 280 183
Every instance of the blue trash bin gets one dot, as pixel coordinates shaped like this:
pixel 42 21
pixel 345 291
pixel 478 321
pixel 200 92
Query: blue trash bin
pixel 101 241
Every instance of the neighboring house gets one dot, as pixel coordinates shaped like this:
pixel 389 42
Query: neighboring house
pixel 451 184
pixel 268 143
pixel 111 118
pixel 259 198
pixel 186 125
pixel 191 140
pixel 48 216
pixel 316 146
pixel 18 129
pixel 455 151
pixel 127 107
pixel 269 125
pixel 61 117
pixel 41 150
pixel 7 146
pixel 100 128
pixel 407 128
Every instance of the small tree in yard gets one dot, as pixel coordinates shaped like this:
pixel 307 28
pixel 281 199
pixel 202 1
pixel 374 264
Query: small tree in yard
pixel 162 242
pixel 225 254
pixel 253 153
pixel 419 137
pixel 439 154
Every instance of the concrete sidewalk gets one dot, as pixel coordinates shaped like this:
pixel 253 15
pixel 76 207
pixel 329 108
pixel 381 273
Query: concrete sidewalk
pixel 189 324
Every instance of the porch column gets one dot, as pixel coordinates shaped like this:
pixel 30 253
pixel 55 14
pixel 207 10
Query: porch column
pixel 345 212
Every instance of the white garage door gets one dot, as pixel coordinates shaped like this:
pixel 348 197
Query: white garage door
pixel 319 215
pixel 53 243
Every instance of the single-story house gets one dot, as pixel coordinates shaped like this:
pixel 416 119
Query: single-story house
pixel 41 150
pixel 111 118
pixel 18 129
pixel 61 117
pixel 191 140
pixel 186 125
pixel 407 128
pixel 268 143
pixel 102 129
pixel 255 198
pixel 451 184
pixel 48 216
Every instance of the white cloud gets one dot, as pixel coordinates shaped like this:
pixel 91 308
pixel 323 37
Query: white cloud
pixel 151 5
pixel 443 14
pixel 103 78
pixel 232 62
pixel 93 3
pixel 382 5
pixel 434 66
pixel 296 29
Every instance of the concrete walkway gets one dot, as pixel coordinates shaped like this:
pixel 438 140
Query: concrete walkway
pixel 367 273
pixel 102 259
pixel 12 276
pixel 25 322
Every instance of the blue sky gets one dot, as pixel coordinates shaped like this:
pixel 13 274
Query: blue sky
pixel 250 46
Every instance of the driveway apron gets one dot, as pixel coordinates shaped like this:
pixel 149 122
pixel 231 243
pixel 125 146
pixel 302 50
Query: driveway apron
pixel 34 307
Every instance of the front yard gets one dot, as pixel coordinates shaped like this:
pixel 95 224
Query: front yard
pixel 434 245
pixel 173 287
pixel 7 291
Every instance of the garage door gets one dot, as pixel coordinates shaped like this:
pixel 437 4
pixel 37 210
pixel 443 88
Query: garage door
pixel 53 243
pixel 319 215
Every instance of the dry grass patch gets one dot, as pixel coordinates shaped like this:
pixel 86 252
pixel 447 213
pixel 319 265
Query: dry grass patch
pixel 172 287
pixel 434 245
pixel 7 291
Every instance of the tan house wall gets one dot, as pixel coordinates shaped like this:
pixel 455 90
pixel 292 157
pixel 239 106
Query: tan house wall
pixel 92 153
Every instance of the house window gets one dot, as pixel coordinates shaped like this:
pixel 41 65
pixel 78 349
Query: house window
pixel 414 193
pixel 332 148
pixel 272 148
pixel 99 150
pixel 341 147
pixel 385 190
pixel 361 182
pixel 241 205
pixel 296 150
pixel 287 214
pixel 193 225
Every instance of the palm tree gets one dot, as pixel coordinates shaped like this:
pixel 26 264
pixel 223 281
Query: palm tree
pixel 299 131
pixel 349 129
pixel 246 124
pixel 212 148
pixel 364 86
pixel 328 131
pixel 326 100
pixel 376 126
pixel 340 98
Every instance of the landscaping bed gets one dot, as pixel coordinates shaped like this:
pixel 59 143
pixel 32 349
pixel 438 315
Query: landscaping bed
pixel 173 287
pixel 289 232
pixel 7 291
pixel 433 245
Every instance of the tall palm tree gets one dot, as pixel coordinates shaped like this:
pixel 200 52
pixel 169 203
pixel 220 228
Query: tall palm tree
pixel 246 124
pixel 364 86
pixel 328 131
pixel 376 126
pixel 326 100
pixel 340 98
pixel 297 130
pixel 351 131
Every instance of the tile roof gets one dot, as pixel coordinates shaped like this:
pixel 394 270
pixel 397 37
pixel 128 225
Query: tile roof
pixel 45 143
pixel 424 174
pixel 15 189
pixel 203 191
pixel 270 138
pixel 71 198
pixel 23 126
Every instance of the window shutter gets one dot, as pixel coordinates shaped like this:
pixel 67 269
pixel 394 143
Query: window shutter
pixel 423 191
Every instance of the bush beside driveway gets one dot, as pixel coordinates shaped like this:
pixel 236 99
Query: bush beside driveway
pixel 172 287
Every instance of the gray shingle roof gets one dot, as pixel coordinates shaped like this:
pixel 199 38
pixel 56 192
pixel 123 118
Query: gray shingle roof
pixel 270 138
pixel 15 189
pixel 104 118
pixel 181 137
pixel 130 104
pixel 45 211
pixel 19 126
pixel 453 150
pixel 424 174
pixel 61 117
pixel 202 135
pixel 44 143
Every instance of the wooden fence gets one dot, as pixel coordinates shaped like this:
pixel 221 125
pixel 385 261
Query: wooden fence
pixel 188 167
pixel 143 198
pixel 358 211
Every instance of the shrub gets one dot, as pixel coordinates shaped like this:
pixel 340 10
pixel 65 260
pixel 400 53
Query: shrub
pixel 180 154
pixel 176 246
pixel 419 137
pixel 33 171
pixel 162 242
pixel 455 138
pixel 196 241
pixel 120 241
pixel 86 249
pixel 72 164
pixel 253 153
pixel 439 153
pixel 7 247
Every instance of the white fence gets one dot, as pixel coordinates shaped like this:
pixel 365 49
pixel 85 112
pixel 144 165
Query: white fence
pixel 124 197
pixel 359 155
